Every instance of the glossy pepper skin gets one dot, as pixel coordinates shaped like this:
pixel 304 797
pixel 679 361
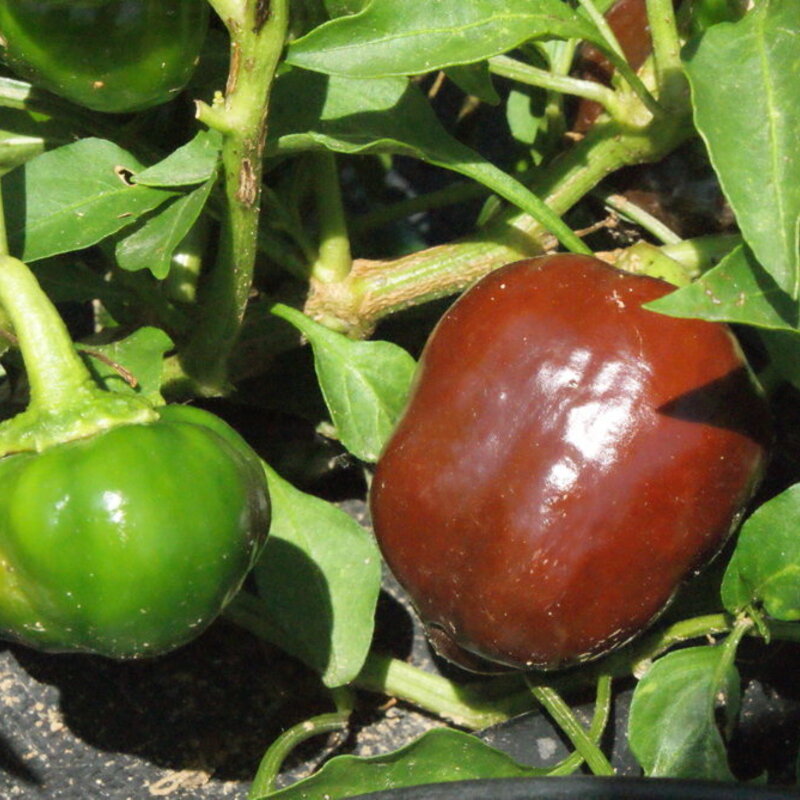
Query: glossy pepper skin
pixel 130 542
pixel 107 55
pixel 566 459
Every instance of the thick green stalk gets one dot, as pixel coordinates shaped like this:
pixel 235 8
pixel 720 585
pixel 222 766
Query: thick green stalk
pixel 519 71
pixel 375 289
pixel 386 675
pixel 65 403
pixel 56 373
pixel 478 705
pixel 636 83
pixel 269 768
pixel 334 259
pixel 670 80
pixel 257 33
pixel 700 254
pixel 460 704
pixel 3 236
pixel 638 215
pixel 602 712
pixel 565 718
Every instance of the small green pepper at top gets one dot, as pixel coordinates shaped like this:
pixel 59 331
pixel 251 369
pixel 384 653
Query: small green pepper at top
pixel 107 55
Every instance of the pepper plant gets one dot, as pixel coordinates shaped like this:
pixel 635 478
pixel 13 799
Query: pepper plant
pixel 325 178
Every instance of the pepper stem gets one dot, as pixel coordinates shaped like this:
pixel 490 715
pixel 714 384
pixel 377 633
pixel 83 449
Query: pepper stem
pixel 55 371
pixel 65 403
pixel 257 31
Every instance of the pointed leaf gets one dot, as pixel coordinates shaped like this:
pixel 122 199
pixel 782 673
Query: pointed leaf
pixel 319 575
pixel 765 566
pixel 738 289
pixel 783 348
pixel 746 94
pixel 152 245
pixel 365 384
pixel 416 36
pixel 25 134
pixel 476 80
pixel 672 727
pixel 438 756
pixel 338 8
pixel 73 197
pixel 388 115
pixel 141 354
pixel 194 162
pixel 67 281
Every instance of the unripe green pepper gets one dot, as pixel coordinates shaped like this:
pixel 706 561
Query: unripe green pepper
pixel 107 55
pixel 124 529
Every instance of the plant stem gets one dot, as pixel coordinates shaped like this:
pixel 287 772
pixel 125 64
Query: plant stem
pixel 644 258
pixel 228 9
pixel 454 193
pixel 461 704
pixel 602 712
pixel 666 53
pixel 564 717
pixel 561 55
pixel 3 236
pixel 720 679
pixel 65 403
pixel 700 254
pixel 602 25
pixel 334 259
pixel 613 45
pixel 637 215
pixel 741 627
pixel 21 95
pixel 248 612
pixel 481 704
pixel 375 289
pixel 270 766
pixel 257 33
pixel 534 76
pixel 56 373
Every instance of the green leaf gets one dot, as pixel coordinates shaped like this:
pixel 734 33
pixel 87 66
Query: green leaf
pixel 783 348
pixel 438 756
pixel 338 8
pixel 67 281
pixel 365 384
pixel 523 123
pixel 738 289
pixel 24 135
pixel 16 149
pixel 765 566
pixel 417 36
pixel 152 245
pixel 141 354
pixel 319 575
pixel 194 162
pixel 72 197
pixel 476 80
pixel 672 727
pixel 387 115
pixel 746 95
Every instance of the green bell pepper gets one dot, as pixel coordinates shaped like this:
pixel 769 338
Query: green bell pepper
pixel 124 528
pixel 107 55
